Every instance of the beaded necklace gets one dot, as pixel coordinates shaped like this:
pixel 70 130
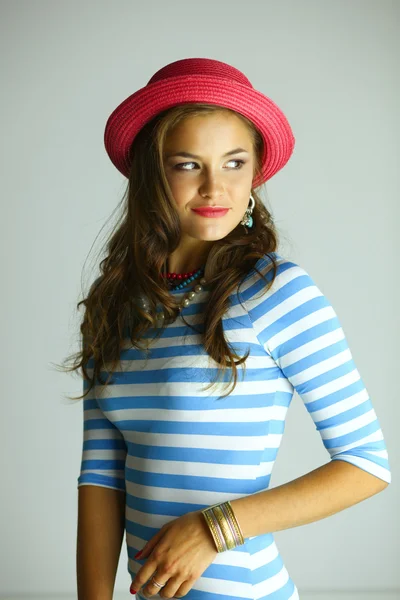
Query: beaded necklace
pixel 185 279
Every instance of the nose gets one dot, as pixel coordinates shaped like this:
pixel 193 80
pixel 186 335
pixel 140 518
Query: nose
pixel 211 187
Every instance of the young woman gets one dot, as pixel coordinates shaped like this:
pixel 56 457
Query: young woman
pixel 193 296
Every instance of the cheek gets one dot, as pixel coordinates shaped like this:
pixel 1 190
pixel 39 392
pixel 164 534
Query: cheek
pixel 183 192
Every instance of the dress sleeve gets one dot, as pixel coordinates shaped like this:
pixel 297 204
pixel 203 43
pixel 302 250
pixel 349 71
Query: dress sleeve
pixel 300 330
pixel 104 449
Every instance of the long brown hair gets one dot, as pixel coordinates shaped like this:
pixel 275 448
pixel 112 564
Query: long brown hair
pixel 137 252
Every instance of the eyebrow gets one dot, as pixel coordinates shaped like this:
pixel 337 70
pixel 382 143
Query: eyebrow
pixel 189 155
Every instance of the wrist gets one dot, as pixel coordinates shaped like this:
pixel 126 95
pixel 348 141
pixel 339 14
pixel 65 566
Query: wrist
pixel 223 526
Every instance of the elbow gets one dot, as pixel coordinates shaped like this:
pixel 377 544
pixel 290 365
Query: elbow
pixel 382 484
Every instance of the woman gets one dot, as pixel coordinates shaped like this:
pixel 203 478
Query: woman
pixel 185 296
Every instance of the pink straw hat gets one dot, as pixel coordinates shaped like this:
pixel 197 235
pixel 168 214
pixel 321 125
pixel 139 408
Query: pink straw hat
pixel 200 80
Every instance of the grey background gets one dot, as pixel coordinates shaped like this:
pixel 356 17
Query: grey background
pixel 333 69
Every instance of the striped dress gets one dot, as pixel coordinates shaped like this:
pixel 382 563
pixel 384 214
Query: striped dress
pixel 175 448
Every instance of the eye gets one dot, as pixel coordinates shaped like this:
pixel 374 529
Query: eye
pixel 181 165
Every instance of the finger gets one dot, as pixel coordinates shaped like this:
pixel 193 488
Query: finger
pixel 184 588
pixel 144 574
pixel 173 588
pixel 148 547
pixel 151 588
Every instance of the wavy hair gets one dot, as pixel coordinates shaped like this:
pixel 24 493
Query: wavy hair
pixel 137 251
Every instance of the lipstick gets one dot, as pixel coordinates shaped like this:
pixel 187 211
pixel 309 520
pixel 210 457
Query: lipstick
pixel 210 212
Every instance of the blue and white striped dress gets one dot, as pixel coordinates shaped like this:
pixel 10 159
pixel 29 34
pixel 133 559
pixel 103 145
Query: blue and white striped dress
pixel 175 448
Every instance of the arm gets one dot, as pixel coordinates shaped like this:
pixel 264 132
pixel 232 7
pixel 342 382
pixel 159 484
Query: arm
pixel 301 332
pixel 323 492
pixel 101 525
pixel 101 502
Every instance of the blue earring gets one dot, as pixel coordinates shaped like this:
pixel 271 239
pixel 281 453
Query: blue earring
pixel 247 220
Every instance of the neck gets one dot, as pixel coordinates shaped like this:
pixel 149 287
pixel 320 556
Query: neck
pixel 188 268
pixel 185 265
pixel 188 257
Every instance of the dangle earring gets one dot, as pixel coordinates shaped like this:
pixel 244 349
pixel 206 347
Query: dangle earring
pixel 247 220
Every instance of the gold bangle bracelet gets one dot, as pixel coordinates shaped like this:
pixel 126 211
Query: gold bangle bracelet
pixel 235 522
pixel 231 521
pixel 224 526
pixel 210 522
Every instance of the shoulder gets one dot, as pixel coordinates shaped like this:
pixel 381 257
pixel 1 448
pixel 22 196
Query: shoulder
pixel 286 271
pixel 289 284
pixel 284 301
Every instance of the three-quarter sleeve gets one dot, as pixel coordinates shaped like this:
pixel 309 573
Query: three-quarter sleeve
pixel 103 450
pixel 300 330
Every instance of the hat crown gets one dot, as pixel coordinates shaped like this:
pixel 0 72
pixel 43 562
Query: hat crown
pixel 200 66
pixel 198 80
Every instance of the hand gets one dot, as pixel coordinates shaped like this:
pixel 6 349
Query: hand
pixel 177 556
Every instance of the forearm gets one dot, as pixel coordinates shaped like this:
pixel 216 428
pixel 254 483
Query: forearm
pixel 311 497
pixel 101 526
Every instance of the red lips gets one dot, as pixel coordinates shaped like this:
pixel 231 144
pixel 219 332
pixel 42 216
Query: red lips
pixel 208 211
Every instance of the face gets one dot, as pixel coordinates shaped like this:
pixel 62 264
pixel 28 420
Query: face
pixel 209 178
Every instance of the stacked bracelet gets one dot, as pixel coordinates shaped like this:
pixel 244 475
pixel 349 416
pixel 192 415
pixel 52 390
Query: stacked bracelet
pixel 224 526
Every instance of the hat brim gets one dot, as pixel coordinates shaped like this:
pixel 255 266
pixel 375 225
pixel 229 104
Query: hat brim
pixel 140 107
